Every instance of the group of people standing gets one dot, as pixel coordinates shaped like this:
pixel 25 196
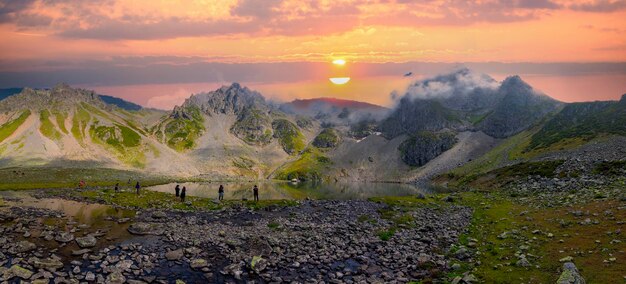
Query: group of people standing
pixel 137 187
pixel 182 193
pixel 220 192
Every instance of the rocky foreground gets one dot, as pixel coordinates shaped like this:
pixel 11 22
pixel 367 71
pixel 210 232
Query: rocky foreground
pixel 317 241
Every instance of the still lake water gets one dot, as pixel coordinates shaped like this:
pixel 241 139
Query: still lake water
pixel 287 190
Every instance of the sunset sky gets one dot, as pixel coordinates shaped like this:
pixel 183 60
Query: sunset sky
pixel 157 53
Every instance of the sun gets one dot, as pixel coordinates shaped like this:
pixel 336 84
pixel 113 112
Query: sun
pixel 339 80
pixel 339 62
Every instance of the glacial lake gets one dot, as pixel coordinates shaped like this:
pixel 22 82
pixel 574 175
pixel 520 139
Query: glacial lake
pixel 287 190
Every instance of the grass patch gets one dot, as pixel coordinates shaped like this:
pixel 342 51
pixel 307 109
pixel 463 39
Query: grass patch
pixel 181 133
pixel 386 235
pixel 495 157
pixel 544 169
pixel 503 175
pixel 288 135
pixel 47 128
pixel 160 200
pixel 583 121
pixel 495 213
pixel 60 119
pixel 8 128
pixel 310 166
pixel 478 118
pixel 328 138
pixel 407 202
pixel 123 141
pixel 79 124
pixel 245 166
pixel 95 110
pixel 610 168
pixel 273 225
pixel 43 178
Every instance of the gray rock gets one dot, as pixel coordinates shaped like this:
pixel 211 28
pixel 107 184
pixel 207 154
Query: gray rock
pixel 21 247
pixel 523 262
pixel 64 237
pixel 48 264
pixel 116 277
pixel 570 275
pixel 18 271
pixel 123 220
pixel 174 255
pixel 198 263
pixel 159 215
pixel 86 242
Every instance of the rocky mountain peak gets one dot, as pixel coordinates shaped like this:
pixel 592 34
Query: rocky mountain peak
pixel 60 96
pixel 233 99
pixel 62 86
pixel 513 88
pixel 515 85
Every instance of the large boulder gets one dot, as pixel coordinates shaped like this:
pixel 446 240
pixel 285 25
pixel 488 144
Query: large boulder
pixel 570 275
pixel 198 263
pixel 18 271
pixel 48 264
pixel 424 146
pixel 21 247
pixel 174 255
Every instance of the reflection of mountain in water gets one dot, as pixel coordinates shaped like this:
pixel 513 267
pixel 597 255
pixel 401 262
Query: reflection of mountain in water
pixel 283 190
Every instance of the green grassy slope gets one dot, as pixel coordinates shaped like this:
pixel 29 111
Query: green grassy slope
pixel 80 120
pixel 582 121
pixel 181 133
pixel 60 119
pixel 8 128
pixel 46 127
pixel 310 165
pixel 289 136
pixel 121 140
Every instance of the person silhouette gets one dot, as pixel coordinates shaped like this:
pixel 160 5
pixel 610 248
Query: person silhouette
pixel 255 190
pixel 220 192
pixel 183 193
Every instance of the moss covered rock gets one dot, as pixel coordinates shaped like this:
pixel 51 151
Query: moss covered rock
pixel 288 135
pixel 184 126
pixel 328 138
pixel 310 166
pixel 253 126
pixel 424 146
